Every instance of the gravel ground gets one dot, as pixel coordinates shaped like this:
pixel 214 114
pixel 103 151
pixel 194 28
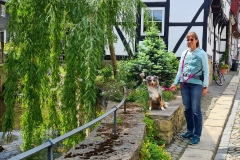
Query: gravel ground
pixel 13 148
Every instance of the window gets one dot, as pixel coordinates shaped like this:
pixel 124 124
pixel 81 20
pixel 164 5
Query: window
pixel 154 14
pixel 3 10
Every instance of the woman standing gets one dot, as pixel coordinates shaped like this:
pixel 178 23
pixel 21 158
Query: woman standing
pixel 193 67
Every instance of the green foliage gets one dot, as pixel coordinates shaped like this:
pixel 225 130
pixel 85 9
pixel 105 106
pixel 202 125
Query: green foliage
pixel 223 66
pixel 227 52
pixel 40 31
pixel 168 95
pixel 119 120
pixel 152 149
pixel 112 87
pixel 111 90
pixel 152 131
pixel 140 96
pixel 106 72
pixel 224 57
pixel 98 114
pixel 151 128
pixel 153 59
pixel 125 76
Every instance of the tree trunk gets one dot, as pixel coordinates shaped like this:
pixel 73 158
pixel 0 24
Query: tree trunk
pixel 113 59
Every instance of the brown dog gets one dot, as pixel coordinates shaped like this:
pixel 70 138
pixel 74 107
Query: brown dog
pixel 155 93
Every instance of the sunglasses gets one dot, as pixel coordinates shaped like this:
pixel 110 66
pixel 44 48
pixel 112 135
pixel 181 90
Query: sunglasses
pixel 190 39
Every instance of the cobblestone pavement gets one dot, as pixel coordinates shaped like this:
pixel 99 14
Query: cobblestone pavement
pixel 179 145
pixel 229 147
pixel 234 144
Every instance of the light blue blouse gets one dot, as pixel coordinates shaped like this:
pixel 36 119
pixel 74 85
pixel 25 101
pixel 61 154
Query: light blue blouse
pixel 193 62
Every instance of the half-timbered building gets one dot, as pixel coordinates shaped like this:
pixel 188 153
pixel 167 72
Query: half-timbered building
pixel 210 19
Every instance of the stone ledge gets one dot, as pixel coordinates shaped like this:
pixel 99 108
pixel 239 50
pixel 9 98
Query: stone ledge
pixel 127 143
pixel 100 144
pixel 169 122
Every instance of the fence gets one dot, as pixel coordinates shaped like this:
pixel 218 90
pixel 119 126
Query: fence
pixel 51 142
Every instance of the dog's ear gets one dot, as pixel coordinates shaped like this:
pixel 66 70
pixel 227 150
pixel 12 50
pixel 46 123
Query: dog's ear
pixel 156 77
pixel 148 78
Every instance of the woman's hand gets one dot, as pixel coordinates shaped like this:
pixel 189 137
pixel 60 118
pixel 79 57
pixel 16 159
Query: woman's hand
pixel 204 91
pixel 173 87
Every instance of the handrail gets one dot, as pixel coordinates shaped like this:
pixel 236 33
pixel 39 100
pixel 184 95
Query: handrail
pixel 51 142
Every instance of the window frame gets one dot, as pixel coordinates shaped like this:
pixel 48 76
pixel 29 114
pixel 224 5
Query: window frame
pixel 3 10
pixel 163 19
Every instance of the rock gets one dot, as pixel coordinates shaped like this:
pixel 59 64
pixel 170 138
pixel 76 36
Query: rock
pixel 1 148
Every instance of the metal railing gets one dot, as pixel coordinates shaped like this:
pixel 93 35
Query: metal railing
pixel 51 142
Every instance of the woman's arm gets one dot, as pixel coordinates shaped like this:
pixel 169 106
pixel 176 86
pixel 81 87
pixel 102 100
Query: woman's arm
pixel 205 69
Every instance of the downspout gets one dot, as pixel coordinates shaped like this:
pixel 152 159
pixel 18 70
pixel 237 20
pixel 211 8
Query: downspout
pixel 214 44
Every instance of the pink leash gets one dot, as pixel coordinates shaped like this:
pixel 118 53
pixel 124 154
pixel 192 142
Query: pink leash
pixel 189 77
pixel 165 88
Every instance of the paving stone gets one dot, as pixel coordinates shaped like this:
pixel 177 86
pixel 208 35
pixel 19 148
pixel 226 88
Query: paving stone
pixel 191 153
pixel 220 156
pixel 217 115
pixel 222 150
pixel 214 122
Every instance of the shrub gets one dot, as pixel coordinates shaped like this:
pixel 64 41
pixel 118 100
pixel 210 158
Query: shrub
pixel 106 72
pixel 152 151
pixel 151 148
pixel 168 95
pixel 152 59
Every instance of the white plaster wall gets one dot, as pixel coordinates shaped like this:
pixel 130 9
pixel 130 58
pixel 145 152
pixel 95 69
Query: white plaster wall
pixel 174 35
pixel 239 20
pixel 119 47
pixel 234 45
pixel 226 7
pixel 184 10
pixel 5 36
pixel 210 36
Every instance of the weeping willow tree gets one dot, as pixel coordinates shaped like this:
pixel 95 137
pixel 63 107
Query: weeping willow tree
pixel 55 97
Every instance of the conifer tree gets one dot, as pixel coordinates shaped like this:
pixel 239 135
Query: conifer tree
pixel 154 59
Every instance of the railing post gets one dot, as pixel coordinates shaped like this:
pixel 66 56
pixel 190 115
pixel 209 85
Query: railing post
pixel 125 103
pixel 50 153
pixel 125 106
pixel 115 122
pixel 50 150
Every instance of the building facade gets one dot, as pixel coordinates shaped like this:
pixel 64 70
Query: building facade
pixel 3 25
pixel 210 19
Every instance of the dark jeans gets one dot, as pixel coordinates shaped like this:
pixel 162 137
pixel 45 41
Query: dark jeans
pixel 191 97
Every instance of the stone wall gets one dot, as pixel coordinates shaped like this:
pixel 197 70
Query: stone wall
pixel 131 131
pixel 169 122
pixel 102 144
